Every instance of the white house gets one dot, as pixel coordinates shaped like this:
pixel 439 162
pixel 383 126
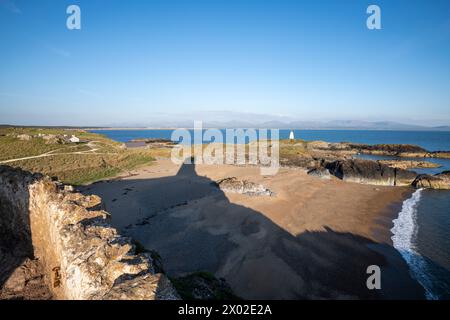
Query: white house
pixel 74 139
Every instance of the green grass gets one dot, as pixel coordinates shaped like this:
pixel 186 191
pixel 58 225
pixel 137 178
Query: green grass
pixel 78 169
pixel 292 149
pixel 12 148
pixel 111 160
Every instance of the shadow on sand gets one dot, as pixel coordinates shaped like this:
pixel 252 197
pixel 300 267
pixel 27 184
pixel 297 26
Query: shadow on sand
pixel 194 227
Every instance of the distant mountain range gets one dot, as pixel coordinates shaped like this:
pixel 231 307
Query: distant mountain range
pixel 233 119
pixel 263 122
pixel 305 125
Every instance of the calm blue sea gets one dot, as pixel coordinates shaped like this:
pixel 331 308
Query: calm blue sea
pixel 432 141
pixel 421 232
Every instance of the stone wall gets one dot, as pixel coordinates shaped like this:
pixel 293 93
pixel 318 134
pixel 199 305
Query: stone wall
pixel 83 256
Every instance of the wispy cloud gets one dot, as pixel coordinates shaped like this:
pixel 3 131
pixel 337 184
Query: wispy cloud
pixel 59 51
pixel 11 6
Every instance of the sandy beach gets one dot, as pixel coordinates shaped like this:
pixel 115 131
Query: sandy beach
pixel 314 238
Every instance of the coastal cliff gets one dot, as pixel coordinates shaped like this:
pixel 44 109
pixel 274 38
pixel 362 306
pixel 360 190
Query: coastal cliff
pixel 81 255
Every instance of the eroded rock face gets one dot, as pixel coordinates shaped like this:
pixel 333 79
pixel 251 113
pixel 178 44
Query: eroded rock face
pixel 439 181
pixel 83 256
pixel 370 172
pixel 243 186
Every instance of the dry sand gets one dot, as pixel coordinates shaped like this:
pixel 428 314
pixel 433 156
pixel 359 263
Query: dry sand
pixel 314 239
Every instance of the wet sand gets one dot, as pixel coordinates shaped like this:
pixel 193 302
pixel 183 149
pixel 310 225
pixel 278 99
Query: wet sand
pixel 313 239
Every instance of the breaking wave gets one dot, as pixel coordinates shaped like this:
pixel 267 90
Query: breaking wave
pixel 404 239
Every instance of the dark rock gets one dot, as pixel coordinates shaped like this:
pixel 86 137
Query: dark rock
pixel 439 181
pixel 370 172
pixel 404 177
pixel 322 173
pixel 392 149
pixel 203 286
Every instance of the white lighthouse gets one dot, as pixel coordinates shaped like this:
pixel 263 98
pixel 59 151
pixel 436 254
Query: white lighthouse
pixel 291 135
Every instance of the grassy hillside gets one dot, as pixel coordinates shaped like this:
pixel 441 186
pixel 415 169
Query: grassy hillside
pixel 95 158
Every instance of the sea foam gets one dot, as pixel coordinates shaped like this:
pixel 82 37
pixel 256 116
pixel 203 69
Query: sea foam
pixel 404 240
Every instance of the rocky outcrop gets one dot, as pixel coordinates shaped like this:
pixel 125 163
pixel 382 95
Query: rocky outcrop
pixel 153 142
pixel 82 255
pixel 389 149
pixel 370 172
pixel 397 150
pixel 329 146
pixel 306 161
pixel 322 173
pixel 439 154
pixel 243 186
pixel 439 181
pixel 203 286
pixel 24 137
pixel 409 164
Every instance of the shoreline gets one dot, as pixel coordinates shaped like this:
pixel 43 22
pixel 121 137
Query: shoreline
pixel 384 222
pixel 396 273
pixel 260 244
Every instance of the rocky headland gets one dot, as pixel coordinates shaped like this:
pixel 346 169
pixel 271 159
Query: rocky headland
pixel 340 160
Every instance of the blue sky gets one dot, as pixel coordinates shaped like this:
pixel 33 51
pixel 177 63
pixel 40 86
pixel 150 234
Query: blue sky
pixel 309 60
